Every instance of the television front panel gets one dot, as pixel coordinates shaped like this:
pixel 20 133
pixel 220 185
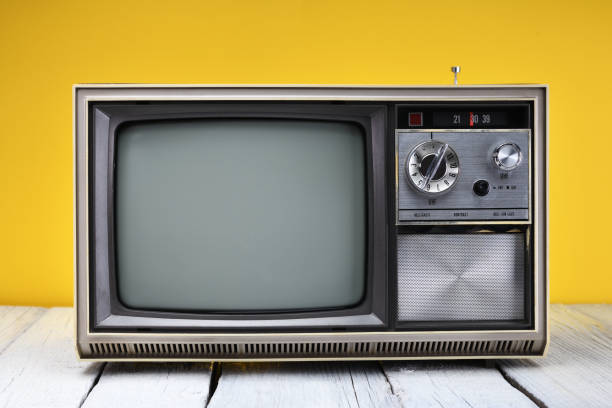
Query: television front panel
pixel 295 222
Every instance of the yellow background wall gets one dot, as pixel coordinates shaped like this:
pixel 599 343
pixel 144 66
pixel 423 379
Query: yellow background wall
pixel 46 46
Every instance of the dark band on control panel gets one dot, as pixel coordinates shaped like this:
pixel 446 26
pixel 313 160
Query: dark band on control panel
pixel 464 116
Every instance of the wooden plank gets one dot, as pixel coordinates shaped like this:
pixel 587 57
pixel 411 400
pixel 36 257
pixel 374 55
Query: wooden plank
pixel 14 320
pixel 302 385
pixel 40 368
pixel 151 385
pixel 452 384
pixel 577 372
pixel 599 312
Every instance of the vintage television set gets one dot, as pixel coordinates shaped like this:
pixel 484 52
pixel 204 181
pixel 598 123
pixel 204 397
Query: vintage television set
pixel 310 222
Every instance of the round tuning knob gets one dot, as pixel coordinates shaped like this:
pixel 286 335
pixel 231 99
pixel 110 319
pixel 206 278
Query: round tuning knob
pixel 507 156
pixel 432 168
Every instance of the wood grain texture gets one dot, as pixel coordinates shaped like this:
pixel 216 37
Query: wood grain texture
pixel 302 385
pixel 40 368
pixel 577 372
pixel 599 312
pixel 137 385
pixel 450 384
pixel 14 320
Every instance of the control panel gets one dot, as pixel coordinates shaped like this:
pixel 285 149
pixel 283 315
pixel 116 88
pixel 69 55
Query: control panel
pixel 457 163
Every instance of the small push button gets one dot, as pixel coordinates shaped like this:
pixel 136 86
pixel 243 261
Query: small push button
pixel 481 188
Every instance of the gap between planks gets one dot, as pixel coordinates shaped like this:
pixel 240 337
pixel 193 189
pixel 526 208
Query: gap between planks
pixel 137 385
pixel 578 368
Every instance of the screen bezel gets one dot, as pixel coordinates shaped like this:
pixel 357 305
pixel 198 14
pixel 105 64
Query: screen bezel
pixel 106 310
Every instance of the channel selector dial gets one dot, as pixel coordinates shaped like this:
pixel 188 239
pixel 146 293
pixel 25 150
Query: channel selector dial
pixel 507 156
pixel 432 168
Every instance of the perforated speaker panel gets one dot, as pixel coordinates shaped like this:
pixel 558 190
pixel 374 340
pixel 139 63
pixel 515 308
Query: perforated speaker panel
pixel 461 276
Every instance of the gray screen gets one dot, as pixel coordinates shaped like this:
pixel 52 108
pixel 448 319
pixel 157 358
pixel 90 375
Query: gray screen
pixel 240 215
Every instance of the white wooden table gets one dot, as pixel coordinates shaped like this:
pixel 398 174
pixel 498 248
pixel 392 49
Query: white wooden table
pixel 39 368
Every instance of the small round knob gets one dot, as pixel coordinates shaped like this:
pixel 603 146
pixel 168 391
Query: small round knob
pixel 507 156
pixel 481 188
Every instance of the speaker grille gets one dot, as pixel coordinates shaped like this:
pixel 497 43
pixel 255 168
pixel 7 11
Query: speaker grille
pixel 461 276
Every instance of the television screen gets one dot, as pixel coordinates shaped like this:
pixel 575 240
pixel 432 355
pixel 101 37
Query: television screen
pixel 243 215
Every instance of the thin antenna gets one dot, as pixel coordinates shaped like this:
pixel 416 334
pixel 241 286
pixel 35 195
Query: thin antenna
pixel 455 70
